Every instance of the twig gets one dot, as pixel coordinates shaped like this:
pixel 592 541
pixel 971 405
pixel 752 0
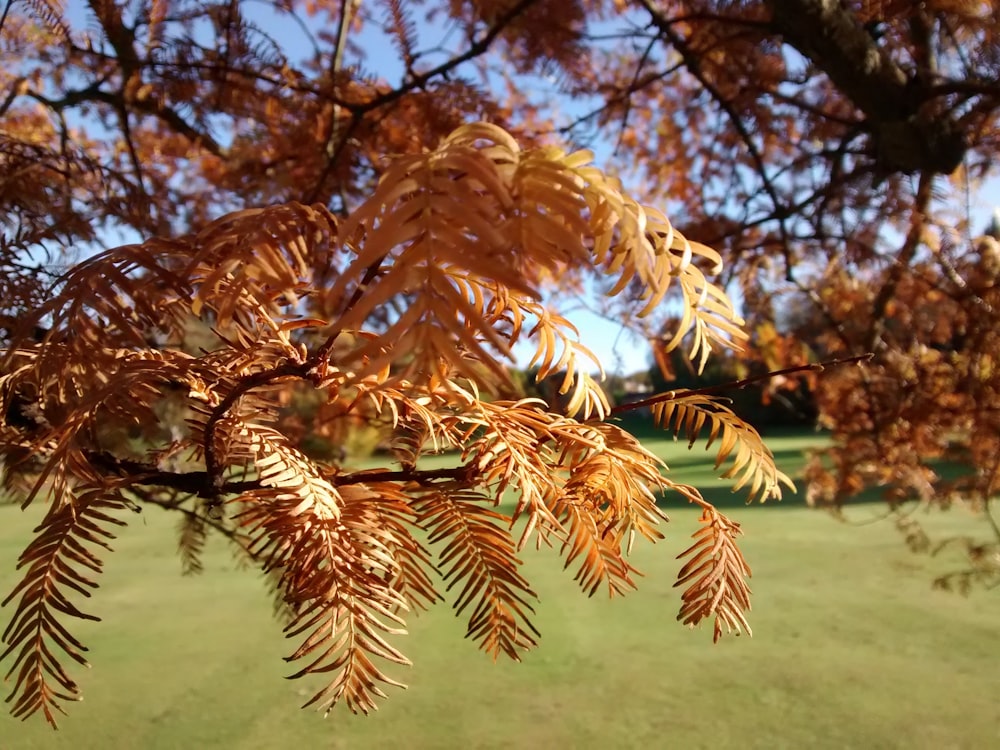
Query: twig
pixel 903 259
pixel 195 482
pixel 736 384
pixel 405 475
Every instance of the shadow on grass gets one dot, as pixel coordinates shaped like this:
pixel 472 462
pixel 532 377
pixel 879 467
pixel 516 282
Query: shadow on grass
pixel 792 457
pixel 719 492
pixel 724 498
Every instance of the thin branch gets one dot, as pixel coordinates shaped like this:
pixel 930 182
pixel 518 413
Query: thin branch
pixel 719 18
pixel 736 384
pixel 903 259
pixel 621 95
pixel 423 477
pixel 194 482
pixel 814 109
pixel 415 82
pixel 213 478
pixel 126 126
pixel 333 142
pixel 370 273
pixel 148 498
pixel 15 89
pixel 693 65
pixel 633 87
pixel 479 47
pixel 149 105
pixel 347 10
pixel 191 482
pixel 6 10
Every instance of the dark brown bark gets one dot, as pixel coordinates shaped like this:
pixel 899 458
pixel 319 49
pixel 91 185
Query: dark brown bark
pixel 910 136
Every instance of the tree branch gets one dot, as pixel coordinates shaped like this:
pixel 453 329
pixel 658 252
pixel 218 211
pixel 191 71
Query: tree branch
pixel 194 482
pixel 477 48
pixel 903 259
pixel 736 384
pixel 191 482
pixel 693 66
pixel 908 137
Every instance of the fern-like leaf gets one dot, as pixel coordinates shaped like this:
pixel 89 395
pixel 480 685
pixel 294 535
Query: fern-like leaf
pixel 715 576
pixel 479 556
pixel 622 478
pixel 286 472
pixel 511 451
pixel 394 516
pixel 52 16
pixel 332 574
pixel 344 632
pixel 595 542
pixel 261 255
pixel 401 27
pixel 753 461
pixel 607 500
pixel 61 558
pixel 192 532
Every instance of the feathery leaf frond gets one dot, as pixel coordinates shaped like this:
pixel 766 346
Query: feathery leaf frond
pixel 332 571
pixel 480 557
pixel 62 558
pixel 753 462
pixel 192 532
pixel 397 318
pixel 715 576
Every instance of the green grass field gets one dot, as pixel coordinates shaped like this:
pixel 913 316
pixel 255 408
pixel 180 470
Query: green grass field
pixel 851 649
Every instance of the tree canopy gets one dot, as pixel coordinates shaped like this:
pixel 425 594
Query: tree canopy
pixel 377 199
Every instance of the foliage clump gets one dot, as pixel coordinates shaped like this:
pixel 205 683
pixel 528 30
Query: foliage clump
pixel 399 315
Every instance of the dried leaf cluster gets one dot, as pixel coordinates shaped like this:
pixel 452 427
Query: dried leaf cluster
pixel 462 235
pixel 921 421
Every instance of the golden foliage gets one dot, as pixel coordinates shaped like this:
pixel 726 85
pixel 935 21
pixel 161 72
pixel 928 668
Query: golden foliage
pixel 715 576
pixel 395 289
pixel 753 462
pixel 335 574
pixel 62 558
pixel 479 556
pixel 925 401
pixel 400 315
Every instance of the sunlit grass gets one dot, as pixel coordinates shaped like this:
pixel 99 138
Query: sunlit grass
pixel 851 648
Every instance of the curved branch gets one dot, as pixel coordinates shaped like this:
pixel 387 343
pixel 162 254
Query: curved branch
pixel 903 259
pixel 693 66
pixel 477 48
pixel 908 138
pixel 736 384
pixel 194 482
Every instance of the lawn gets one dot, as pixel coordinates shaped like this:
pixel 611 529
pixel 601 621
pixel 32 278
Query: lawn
pixel 851 649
